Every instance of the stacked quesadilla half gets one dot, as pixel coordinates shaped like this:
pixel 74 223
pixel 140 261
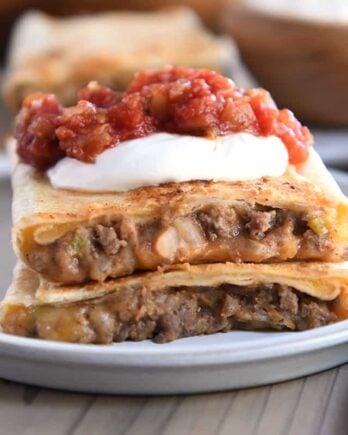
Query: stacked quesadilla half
pixel 176 259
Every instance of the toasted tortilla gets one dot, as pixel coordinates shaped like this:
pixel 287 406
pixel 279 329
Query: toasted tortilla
pixel 325 281
pixel 61 55
pixel 43 214
pixel 178 301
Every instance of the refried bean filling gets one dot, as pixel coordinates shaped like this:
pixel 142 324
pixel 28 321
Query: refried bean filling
pixel 137 313
pixel 217 233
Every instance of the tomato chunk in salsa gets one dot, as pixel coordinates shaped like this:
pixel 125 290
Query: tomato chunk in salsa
pixel 196 102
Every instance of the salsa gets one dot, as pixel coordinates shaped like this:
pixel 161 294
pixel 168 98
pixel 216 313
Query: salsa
pixel 188 101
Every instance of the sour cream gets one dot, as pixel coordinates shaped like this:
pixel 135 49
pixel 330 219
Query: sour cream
pixel 163 157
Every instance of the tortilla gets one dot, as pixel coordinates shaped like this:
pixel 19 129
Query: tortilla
pixel 160 225
pixel 324 281
pixel 178 301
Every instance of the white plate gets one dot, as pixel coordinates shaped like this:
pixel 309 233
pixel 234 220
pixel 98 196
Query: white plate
pixel 198 364
pixel 191 365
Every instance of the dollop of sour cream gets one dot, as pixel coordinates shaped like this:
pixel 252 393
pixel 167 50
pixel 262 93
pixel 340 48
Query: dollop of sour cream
pixel 164 157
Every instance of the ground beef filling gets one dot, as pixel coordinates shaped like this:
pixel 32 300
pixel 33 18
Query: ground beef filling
pixel 167 314
pixel 213 234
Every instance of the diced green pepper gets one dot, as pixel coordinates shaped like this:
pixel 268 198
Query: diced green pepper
pixel 318 225
pixel 78 245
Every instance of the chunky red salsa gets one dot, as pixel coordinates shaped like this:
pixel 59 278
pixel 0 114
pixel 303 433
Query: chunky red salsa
pixel 189 101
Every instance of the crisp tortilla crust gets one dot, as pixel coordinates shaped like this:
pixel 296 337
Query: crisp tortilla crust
pixel 176 302
pixel 43 214
pixel 325 281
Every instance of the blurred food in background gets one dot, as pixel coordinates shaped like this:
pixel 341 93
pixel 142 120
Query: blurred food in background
pixel 61 55
pixel 11 9
pixel 298 49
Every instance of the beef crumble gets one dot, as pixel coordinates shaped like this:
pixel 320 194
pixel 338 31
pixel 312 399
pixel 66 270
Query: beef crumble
pixel 137 313
pixel 216 233
pixel 260 222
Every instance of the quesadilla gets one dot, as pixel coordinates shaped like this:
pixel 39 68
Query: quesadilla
pixel 72 237
pixel 178 301
pixel 61 55
pixel 182 206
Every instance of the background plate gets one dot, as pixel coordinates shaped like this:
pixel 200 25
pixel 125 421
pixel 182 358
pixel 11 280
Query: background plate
pixel 199 364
